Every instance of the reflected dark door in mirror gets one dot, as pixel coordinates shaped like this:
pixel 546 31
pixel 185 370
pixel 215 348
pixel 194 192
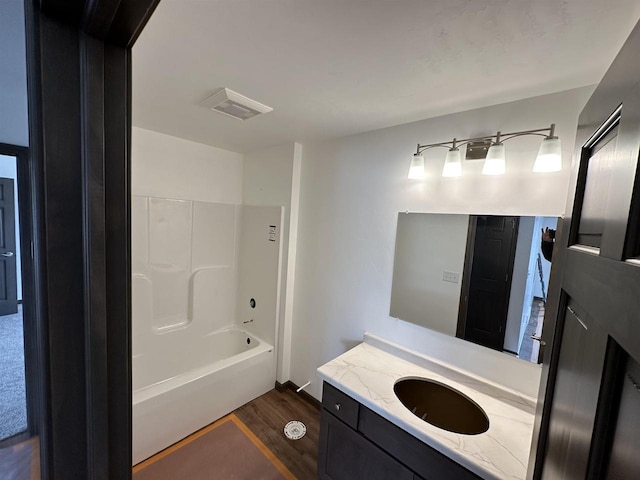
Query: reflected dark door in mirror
pixel 493 253
pixel 8 272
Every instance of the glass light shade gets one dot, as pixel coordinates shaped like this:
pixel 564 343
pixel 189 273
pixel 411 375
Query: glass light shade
pixel 494 163
pixel 416 170
pixel 549 156
pixel 452 164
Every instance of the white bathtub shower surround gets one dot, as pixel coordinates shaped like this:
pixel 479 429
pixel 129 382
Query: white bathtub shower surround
pixel 230 369
pixel 192 263
pixel 179 249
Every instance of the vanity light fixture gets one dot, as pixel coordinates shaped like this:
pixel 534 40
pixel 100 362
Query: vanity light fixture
pixel 452 162
pixel 549 157
pixel 416 170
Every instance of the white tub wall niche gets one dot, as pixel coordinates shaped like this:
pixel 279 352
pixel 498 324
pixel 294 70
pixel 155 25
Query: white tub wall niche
pixel 189 367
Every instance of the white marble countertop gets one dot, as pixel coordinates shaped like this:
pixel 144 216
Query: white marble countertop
pixel 369 371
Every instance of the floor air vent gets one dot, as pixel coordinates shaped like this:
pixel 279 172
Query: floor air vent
pixel 295 430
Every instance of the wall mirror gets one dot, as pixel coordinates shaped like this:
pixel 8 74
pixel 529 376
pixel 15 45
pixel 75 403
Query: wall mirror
pixel 482 278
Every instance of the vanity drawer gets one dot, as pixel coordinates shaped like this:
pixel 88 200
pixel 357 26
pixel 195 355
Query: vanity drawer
pixel 427 463
pixel 340 405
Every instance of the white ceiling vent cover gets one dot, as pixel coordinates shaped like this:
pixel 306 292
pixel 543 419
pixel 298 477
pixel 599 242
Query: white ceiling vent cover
pixel 234 105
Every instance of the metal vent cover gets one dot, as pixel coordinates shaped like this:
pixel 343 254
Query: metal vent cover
pixel 233 104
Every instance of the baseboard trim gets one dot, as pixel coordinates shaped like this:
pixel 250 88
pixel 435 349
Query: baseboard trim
pixel 281 387
pixel 289 385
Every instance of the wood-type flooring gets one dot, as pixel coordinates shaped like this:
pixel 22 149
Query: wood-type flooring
pixel 266 417
pixel 21 461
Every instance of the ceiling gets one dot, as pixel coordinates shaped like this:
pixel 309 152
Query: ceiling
pixel 331 68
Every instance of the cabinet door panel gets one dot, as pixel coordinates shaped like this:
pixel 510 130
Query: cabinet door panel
pixel 416 455
pixel 347 455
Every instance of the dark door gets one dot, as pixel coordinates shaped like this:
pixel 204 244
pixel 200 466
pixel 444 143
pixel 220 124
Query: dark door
pixel 8 278
pixel 588 424
pixel 489 281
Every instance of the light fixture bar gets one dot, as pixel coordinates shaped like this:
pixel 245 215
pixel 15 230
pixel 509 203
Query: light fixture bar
pixel 503 137
pixel 549 157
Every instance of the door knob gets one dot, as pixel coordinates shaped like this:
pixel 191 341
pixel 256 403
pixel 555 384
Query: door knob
pixel 539 339
pixel 7 254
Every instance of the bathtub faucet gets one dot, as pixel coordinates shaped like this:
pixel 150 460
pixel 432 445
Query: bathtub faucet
pixel 248 321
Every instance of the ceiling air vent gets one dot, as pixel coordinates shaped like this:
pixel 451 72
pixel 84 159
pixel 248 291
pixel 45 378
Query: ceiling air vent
pixel 234 105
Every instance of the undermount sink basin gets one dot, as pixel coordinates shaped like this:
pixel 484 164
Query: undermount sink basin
pixel 441 406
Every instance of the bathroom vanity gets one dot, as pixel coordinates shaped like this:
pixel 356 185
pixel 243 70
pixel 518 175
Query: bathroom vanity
pixel 368 432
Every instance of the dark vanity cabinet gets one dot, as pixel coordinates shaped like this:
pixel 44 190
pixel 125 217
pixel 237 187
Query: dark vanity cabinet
pixel 356 443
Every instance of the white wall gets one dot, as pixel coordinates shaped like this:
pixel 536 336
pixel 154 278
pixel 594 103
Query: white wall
pixel 14 128
pixel 272 178
pixel 170 167
pixel 426 247
pixel 8 169
pixel 351 192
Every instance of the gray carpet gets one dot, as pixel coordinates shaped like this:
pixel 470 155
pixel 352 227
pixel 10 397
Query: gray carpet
pixel 13 404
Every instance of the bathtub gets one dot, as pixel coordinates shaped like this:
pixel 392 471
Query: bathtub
pixel 176 393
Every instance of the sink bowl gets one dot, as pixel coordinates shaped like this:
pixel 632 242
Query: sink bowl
pixel 441 406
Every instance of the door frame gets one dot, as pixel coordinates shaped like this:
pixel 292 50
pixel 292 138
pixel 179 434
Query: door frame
pixel 79 97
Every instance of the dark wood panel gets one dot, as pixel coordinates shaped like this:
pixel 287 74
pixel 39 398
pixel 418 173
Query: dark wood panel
pixel 266 417
pixel 587 277
pixel 98 17
pixel 68 11
pixel 632 241
pixel 60 76
pixel 347 455
pixel 341 405
pixel 117 195
pixel 608 403
pixel 93 205
pixel 576 394
pixel 624 461
pixel 593 204
pixel 129 21
pixel 421 458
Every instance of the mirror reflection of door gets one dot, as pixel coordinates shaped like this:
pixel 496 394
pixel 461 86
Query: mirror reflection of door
pixel 8 270
pixel 487 279
pixel 504 284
